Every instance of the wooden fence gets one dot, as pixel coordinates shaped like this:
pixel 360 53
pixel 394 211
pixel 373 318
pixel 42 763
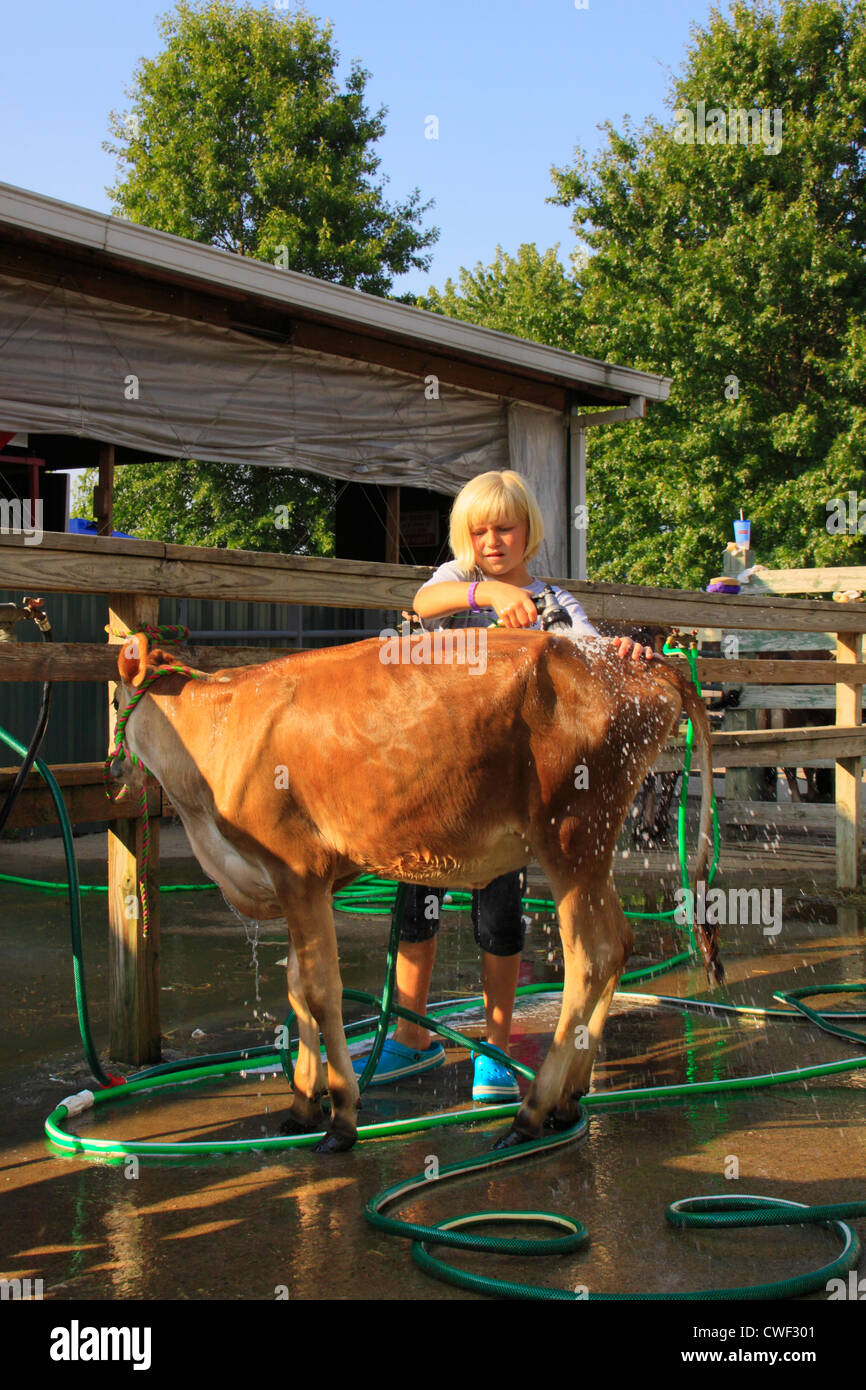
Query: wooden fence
pixel 133 575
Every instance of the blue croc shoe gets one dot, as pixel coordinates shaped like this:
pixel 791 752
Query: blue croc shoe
pixel 493 1081
pixel 397 1061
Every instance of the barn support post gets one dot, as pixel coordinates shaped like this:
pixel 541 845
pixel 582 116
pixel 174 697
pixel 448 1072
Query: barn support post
pixel 133 958
pixel 103 493
pixel 392 525
pixel 577 510
pixel 849 771
pixel 741 783
pixel 538 451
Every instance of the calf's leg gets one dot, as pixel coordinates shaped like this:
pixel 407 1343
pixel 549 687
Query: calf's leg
pixel 596 942
pixel 308 1084
pixel 311 923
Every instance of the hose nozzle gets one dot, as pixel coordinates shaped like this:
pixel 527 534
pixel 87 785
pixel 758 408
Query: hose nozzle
pixel 551 613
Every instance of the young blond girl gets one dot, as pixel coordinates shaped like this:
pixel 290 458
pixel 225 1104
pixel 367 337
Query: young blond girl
pixel 495 529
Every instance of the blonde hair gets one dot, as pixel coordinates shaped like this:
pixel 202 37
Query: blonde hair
pixel 494 498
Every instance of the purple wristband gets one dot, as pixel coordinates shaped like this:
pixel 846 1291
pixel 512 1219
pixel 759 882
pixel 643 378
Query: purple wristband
pixel 473 606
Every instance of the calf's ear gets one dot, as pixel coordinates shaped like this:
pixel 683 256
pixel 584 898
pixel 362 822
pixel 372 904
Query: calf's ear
pixel 132 662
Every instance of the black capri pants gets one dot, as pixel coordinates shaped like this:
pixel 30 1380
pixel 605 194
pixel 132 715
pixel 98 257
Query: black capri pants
pixel 497 916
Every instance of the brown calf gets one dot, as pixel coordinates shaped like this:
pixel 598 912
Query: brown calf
pixel 294 777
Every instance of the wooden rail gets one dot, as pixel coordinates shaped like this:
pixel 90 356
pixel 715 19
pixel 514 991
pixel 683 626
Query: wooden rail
pixel 104 565
pixel 849 703
pixel 90 661
pixel 84 793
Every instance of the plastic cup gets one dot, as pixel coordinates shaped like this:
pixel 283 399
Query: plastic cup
pixel 742 533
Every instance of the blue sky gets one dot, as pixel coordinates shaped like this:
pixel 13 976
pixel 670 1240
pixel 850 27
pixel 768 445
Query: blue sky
pixel 515 84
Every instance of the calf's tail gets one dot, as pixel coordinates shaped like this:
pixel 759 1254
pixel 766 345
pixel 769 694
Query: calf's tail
pixel 693 708
pixel 708 936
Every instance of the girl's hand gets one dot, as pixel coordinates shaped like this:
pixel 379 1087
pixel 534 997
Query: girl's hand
pixel 511 603
pixel 625 645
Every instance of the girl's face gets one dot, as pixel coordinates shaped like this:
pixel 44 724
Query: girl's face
pixel 499 546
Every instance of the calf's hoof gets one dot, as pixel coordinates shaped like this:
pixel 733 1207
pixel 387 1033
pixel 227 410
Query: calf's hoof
pixel 558 1122
pixel 335 1144
pixel 566 1116
pixel 512 1137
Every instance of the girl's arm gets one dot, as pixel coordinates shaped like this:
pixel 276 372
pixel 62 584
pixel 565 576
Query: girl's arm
pixel 508 601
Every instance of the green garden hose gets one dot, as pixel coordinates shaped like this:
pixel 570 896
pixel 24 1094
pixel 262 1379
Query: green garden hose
pixel 749 1211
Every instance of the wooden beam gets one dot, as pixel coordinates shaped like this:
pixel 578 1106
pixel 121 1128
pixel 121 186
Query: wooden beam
pixel 717 669
pixel 783 748
pixel 635 410
pixel 787 815
pixel 133 958
pixel 89 661
pixel 790 697
pixel 772 748
pixel 776 645
pixel 392 525
pixel 81 270
pixel 88 564
pixel 578 514
pixel 86 804
pixel 628 604
pixel 103 493
pixel 94 661
pixel 849 770
pixel 813 581
pixel 417 362
pixel 102 564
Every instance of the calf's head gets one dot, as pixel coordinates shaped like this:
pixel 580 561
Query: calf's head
pixel 135 662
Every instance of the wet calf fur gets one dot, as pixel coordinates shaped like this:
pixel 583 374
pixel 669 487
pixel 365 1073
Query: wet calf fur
pixel 294 777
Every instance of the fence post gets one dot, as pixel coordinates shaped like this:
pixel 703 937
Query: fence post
pixel 133 959
pixel 849 771
pixel 741 783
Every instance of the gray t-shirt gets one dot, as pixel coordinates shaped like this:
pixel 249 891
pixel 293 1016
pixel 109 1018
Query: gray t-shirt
pixel 452 573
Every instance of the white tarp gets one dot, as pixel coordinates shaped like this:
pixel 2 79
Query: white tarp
pixel 206 392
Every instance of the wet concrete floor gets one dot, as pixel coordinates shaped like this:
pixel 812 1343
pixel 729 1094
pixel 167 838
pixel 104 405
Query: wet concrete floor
pixel 255 1226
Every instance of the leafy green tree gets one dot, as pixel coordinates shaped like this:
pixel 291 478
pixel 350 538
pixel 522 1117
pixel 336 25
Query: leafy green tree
pixel 530 295
pixel 214 504
pixel 239 135
pixel 737 269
